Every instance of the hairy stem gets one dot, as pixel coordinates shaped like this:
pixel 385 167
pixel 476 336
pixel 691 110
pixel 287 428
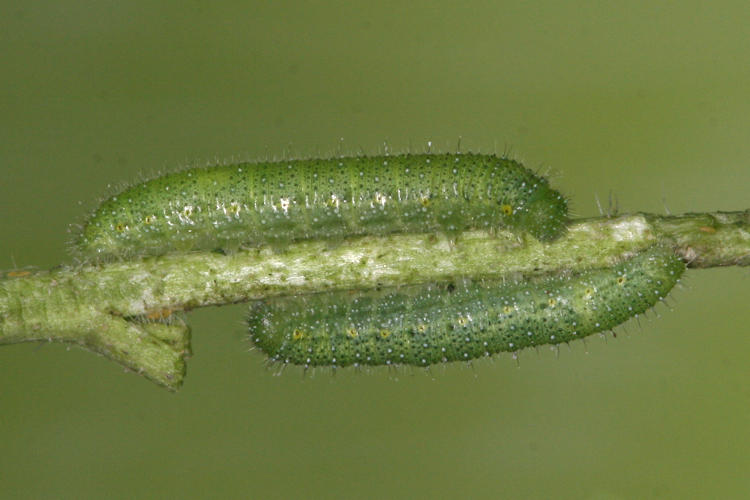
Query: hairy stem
pixel 117 309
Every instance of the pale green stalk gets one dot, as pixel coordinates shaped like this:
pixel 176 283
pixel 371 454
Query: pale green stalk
pixel 110 308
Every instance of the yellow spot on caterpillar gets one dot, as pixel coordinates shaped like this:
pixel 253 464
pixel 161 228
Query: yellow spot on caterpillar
pixel 149 219
pixel 507 209
pixel 707 229
pixel 298 334
pixel 333 201
pixel 233 208
pixel 552 302
pixel 621 280
pixel 463 321
pixel 351 332
pixel 384 334
pixel 421 328
pixel 507 309
pixel 588 294
pixel 424 200
pixel 120 227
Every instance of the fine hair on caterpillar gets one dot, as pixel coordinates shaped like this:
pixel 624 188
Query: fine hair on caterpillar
pixel 227 206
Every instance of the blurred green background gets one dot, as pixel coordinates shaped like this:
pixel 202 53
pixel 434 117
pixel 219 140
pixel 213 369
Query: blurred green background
pixel 647 100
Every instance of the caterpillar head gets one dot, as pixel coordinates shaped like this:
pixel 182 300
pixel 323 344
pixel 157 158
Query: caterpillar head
pixel 546 216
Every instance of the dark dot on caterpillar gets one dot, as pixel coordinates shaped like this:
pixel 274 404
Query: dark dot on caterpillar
pixel 120 227
pixel 507 209
pixel 385 334
pixel 451 287
pixel 298 334
pixel 621 280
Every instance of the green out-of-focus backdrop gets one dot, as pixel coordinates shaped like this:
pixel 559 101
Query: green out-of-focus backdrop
pixel 646 100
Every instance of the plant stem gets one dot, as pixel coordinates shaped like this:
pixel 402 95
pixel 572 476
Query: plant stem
pixel 115 309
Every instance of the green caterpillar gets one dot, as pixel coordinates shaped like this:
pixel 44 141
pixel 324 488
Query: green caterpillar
pixel 225 207
pixel 428 324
